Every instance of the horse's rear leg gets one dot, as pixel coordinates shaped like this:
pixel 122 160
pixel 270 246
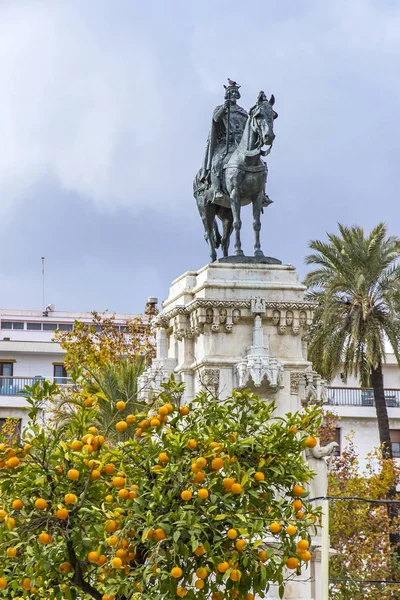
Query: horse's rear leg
pixel 257 206
pixel 208 217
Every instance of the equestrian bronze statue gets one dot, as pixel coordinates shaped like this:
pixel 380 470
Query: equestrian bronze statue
pixel 233 173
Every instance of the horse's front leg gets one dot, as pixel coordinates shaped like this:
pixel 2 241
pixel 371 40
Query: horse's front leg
pixel 237 223
pixel 257 207
pixel 207 214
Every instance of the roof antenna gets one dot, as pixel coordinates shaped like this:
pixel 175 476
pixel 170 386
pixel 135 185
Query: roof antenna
pixel 43 304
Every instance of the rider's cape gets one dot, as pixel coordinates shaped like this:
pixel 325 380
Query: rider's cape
pixel 216 135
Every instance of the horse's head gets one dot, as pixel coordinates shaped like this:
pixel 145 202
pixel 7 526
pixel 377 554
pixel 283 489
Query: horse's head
pixel 262 117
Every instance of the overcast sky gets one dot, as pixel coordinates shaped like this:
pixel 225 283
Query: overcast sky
pixel 104 112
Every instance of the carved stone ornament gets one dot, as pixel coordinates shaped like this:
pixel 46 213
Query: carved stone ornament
pixel 258 306
pixel 295 378
pixel 152 378
pixel 210 381
pixel 258 366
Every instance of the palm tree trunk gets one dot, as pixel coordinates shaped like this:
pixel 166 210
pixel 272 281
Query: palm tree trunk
pixel 381 412
pixel 386 448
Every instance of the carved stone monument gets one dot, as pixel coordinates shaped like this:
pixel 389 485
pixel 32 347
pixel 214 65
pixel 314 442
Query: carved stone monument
pixel 240 322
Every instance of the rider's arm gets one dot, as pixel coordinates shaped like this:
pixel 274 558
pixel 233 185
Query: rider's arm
pixel 219 113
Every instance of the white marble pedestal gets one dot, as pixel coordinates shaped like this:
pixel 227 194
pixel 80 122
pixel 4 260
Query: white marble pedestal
pixel 232 325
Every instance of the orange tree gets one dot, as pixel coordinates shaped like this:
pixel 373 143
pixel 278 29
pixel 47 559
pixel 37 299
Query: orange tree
pixel 201 501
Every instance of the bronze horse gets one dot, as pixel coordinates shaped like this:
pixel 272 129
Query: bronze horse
pixel 243 179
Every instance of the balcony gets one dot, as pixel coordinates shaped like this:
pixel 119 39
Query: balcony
pixel 14 386
pixel 340 396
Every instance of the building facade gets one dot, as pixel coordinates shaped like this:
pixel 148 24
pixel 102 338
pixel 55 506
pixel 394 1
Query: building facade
pixel 28 352
pixel 355 410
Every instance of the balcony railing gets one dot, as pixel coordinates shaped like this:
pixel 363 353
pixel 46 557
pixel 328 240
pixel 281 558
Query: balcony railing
pixel 338 396
pixel 13 386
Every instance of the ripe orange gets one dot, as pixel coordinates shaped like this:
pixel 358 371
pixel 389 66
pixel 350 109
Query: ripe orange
pixel 236 488
pixel 44 538
pixel 249 596
pixel 291 530
pixel 118 482
pixel 176 572
pixel 159 534
pixel 123 494
pixel 93 557
pixel 200 550
pixel 184 410
pixel 26 583
pixel 222 567
pixel 121 553
pixel 109 469
pixel 163 457
pixel 11 552
pixel 192 444
pixel 199 584
pixel 300 515
pixel 3 515
pixel 95 475
pixel 77 445
pixel 89 448
pixel 155 423
pixel 228 483
pixel 186 495
pixel 202 493
pixel 65 567
pixel 232 534
pixel 93 430
pixel 201 462
pixel 89 402
pixel 70 498
pixel 121 426
pixel 259 476
pixel 145 424
pixel 181 592
pixel 311 441
pixel 3 583
pixel 121 405
pixel 303 545
pixel 235 575
pixel 298 490
pixel 112 540
pixel 108 597
pixel 169 407
pixel 110 526
pixel 163 411
pixel 138 432
pixel 292 563
pixel 11 522
pixel 275 527
pixel 102 560
pixel 199 477
pixel 297 505
pixel 108 498
pixel 305 555
pixel 73 474
pixel 41 503
pixel 62 514
pixel 13 462
pixel 17 504
pixel 217 464
pixel 133 494
pixel 240 544
pixel 201 572
pixel 130 419
pixel 262 555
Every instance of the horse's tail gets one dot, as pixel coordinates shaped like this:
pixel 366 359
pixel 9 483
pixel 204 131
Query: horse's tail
pixel 216 234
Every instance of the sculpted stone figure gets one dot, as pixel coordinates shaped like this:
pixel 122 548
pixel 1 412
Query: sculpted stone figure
pixel 233 173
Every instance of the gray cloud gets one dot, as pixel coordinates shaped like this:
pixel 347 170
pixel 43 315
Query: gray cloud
pixel 105 109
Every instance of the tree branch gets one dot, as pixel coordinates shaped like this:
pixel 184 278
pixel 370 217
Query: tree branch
pixel 78 577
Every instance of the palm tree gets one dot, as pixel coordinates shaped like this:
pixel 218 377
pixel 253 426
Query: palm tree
pixel 356 288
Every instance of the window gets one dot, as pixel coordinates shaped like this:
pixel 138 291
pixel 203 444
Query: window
pixel 65 327
pixel 6 369
pixel 49 326
pixel 60 374
pixel 12 325
pixel 34 326
pixel 395 439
